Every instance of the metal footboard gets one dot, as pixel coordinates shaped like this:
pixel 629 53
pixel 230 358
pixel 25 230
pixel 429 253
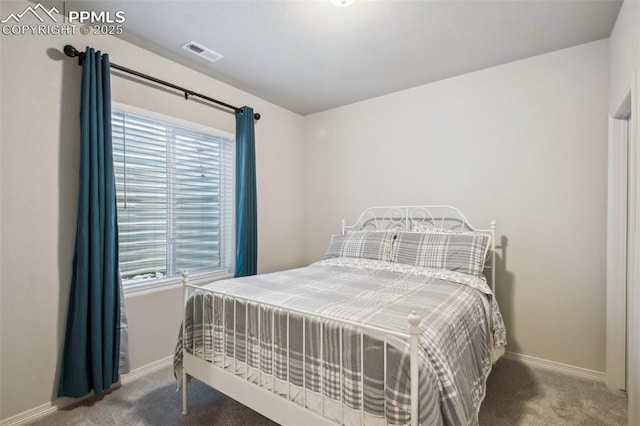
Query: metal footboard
pixel 258 398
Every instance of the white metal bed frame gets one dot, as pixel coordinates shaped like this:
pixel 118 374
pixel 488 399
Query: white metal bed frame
pixel 285 411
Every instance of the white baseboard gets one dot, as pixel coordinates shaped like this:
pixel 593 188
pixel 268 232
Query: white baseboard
pixel 571 370
pixel 146 369
pixel 59 403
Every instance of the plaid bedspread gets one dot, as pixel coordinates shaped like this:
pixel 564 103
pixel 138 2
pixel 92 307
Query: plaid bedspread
pixel 235 330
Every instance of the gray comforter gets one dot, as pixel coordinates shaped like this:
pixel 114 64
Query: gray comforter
pixel 460 320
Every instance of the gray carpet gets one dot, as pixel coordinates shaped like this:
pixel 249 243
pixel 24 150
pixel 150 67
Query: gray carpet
pixel 516 395
pixel 520 395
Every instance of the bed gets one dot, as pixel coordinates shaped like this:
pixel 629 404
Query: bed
pixel 396 325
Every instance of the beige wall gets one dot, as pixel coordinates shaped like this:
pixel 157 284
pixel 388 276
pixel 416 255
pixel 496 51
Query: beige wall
pixel 39 173
pixel 525 144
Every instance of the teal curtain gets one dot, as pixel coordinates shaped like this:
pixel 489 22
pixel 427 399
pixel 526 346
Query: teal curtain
pixel 246 204
pixel 92 339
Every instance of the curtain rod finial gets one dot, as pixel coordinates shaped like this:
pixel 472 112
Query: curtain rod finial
pixel 256 116
pixel 71 51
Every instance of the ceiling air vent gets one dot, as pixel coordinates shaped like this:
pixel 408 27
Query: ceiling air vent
pixel 203 52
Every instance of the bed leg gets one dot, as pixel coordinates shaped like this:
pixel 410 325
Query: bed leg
pixel 414 342
pixel 185 402
pixel 185 296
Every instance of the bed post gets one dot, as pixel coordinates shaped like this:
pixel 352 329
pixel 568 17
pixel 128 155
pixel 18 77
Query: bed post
pixel 185 295
pixel 493 256
pixel 414 342
pixel 344 226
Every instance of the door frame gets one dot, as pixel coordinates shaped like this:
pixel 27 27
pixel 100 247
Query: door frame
pixel 633 295
pixel 620 241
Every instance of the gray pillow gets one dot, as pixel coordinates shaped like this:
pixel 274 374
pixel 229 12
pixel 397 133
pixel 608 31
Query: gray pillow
pixel 361 244
pixel 458 252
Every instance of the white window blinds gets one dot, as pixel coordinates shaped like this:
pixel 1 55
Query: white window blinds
pixel 175 189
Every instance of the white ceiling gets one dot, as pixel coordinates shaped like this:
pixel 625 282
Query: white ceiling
pixel 310 56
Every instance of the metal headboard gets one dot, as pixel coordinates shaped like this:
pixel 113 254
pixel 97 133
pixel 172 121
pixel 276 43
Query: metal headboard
pixel 408 218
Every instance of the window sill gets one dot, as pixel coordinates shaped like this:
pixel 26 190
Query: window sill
pixel 174 283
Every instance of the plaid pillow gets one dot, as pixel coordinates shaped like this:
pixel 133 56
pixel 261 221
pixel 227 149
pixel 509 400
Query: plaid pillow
pixel 363 244
pixel 449 251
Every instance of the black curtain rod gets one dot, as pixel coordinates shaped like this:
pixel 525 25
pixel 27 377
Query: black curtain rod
pixel 72 52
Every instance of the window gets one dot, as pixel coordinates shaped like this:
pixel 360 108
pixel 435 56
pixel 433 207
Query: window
pixel 175 189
